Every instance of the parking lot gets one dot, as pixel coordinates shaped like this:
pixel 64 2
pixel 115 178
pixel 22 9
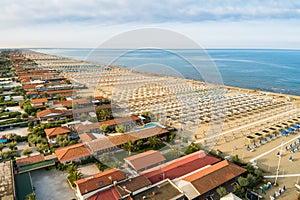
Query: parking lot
pixel 51 185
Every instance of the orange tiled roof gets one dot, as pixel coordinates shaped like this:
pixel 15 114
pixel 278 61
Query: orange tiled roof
pixel 59 92
pixel 120 120
pixel 214 176
pixel 112 141
pixel 87 137
pixel 57 131
pixel 39 100
pixel 180 166
pixel 99 180
pixel 146 159
pixel 28 93
pixel 53 110
pixel 72 152
pixel 29 160
pixel 30 86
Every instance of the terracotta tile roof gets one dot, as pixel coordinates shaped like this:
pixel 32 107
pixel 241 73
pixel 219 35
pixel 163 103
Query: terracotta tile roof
pixel 99 98
pixel 25 80
pixel 214 176
pixel 69 103
pixel 87 137
pixel 52 111
pixel 72 152
pixel 59 92
pixel 120 120
pixel 146 159
pixel 30 86
pixel 87 127
pixel 40 100
pixel 28 93
pixel 112 141
pixel 180 166
pixel 110 194
pixel 57 131
pixel 29 160
pixel 122 189
pixel 99 180
pixel 105 106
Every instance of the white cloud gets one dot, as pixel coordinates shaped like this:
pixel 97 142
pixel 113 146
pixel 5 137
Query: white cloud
pixel 73 23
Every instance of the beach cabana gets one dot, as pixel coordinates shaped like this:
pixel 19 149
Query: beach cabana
pixel 283 132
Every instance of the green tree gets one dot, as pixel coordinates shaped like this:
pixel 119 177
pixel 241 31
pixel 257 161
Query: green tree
pixel 62 140
pixel 258 173
pixel 120 128
pixel 192 148
pixel 129 146
pixel 222 191
pixel 235 159
pixel 103 114
pixel 1 146
pixel 27 152
pixel 12 145
pixel 238 190
pixel 24 115
pixel 74 176
pixel 30 196
pixel 251 180
pixel 42 147
pixel 139 144
pixel 29 109
pixel 104 128
pixel 243 181
pixel 154 141
pixel 34 139
pixel 101 166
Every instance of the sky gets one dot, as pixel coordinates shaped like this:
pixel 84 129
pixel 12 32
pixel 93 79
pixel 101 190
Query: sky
pixel 210 23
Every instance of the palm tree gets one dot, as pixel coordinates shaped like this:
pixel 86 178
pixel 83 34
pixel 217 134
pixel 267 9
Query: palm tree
pixel 72 168
pixel 222 191
pixel 139 144
pixel 74 176
pixel 129 146
pixel 154 141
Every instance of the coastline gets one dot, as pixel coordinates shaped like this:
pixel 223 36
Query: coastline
pixel 234 88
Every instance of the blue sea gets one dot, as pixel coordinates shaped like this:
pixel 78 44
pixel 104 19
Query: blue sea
pixel 261 69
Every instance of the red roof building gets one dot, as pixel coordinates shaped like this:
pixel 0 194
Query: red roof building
pixel 180 166
pixel 206 180
pixel 76 152
pixel 53 132
pixel 98 181
pixel 29 160
pixel 53 114
pixel 145 160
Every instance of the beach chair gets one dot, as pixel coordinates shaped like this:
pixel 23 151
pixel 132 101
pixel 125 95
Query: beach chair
pixel 255 146
pixel 266 140
pixel 291 158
